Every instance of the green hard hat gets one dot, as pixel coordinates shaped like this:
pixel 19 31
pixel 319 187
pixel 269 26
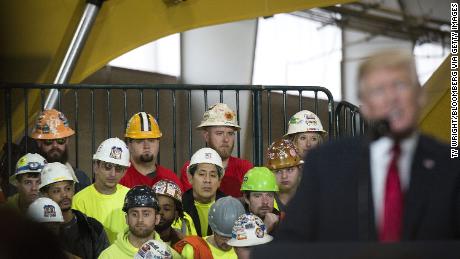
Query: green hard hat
pixel 259 179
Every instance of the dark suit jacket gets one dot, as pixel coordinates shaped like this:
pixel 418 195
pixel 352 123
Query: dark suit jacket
pixel 334 200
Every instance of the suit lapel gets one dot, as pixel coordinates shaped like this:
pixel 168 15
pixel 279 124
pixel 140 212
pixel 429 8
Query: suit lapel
pixel 366 221
pixel 416 198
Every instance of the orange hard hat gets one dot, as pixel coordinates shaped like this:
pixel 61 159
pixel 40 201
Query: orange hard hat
pixel 51 124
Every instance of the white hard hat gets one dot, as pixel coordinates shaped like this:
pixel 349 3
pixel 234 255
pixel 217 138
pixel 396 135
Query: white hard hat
pixel 219 115
pixel 249 230
pixel 113 150
pixel 305 121
pixel 209 156
pixel 29 163
pixel 55 172
pixel 154 249
pixel 45 210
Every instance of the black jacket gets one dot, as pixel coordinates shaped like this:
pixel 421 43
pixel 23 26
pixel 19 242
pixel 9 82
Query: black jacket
pixel 188 202
pixel 334 200
pixel 89 241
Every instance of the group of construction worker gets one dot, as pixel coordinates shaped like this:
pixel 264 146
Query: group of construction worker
pixel 218 207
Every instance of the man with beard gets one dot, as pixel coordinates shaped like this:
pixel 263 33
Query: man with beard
pixel 219 126
pixel 143 137
pixel 259 189
pixel 174 222
pixel 103 199
pixel 142 215
pixel 79 234
pixel 27 180
pixel 51 132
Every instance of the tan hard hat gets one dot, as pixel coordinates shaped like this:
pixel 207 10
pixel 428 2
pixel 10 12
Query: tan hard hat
pixel 219 115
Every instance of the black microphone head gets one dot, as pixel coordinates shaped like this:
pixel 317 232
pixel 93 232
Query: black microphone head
pixel 379 128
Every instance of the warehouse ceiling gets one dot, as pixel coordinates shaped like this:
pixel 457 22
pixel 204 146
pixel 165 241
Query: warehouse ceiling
pixel 419 21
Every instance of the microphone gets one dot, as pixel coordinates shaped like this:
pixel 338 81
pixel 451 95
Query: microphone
pixel 379 128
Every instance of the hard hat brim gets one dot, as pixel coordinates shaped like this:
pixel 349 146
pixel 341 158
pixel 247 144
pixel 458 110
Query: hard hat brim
pixel 247 242
pixel 69 132
pixel 218 124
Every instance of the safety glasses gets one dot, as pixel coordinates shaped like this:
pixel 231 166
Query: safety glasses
pixel 109 166
pixel 30 166
pixel 48 142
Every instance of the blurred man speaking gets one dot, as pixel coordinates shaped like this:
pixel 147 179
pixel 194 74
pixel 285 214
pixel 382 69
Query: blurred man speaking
pixel 394 184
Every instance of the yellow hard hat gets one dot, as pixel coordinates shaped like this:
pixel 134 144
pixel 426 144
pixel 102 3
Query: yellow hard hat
pixel 142 125
pixel 51 124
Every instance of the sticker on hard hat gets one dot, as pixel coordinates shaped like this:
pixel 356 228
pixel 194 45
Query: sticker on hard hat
pixel 259 233
pixel 229 116
pixel 239 233
pixel 116 152
pixel 49 211
pixel 207 155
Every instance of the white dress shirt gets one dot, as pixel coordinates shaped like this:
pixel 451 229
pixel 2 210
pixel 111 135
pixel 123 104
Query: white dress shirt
pixel 380 158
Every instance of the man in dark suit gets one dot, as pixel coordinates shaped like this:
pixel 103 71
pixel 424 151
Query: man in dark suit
pixel 392 185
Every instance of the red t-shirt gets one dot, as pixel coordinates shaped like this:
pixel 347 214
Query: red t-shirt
pixel 133 177
pixel 233 177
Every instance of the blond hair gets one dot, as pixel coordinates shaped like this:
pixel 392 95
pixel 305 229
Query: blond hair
pixel 388 59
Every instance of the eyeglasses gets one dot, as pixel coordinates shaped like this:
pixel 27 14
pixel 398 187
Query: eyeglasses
pixel 60 141
pixel 110 166
pixel 30 166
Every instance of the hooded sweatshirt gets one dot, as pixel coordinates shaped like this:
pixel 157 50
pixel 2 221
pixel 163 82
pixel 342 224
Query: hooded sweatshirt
pixel 122 248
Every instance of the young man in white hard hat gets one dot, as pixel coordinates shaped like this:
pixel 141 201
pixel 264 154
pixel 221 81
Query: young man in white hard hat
pixel 222 216
pixel 27 180
pixel 81 235
pixel 305 131
pixel 47 212
pixel 219 127
pixel 143 138
pixel 174 224
pixel 284 161
pixel 51 132
pixel 141 208
pixel 248 231
pixel 103 199
pixel 205 173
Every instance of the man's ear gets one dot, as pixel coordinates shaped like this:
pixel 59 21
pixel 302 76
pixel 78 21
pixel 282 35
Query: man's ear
pixel 364 110
pixel 157 218
pixel 94 167
pixel 205 135
pixel 189 177
pixel 176 214
pixel 246 198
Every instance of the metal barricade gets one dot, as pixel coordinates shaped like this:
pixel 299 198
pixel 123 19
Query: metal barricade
pixel 348 119
pixel 98 112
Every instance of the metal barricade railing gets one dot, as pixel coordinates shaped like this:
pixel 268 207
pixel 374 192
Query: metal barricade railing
pixel 101 111
pixel 348 119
